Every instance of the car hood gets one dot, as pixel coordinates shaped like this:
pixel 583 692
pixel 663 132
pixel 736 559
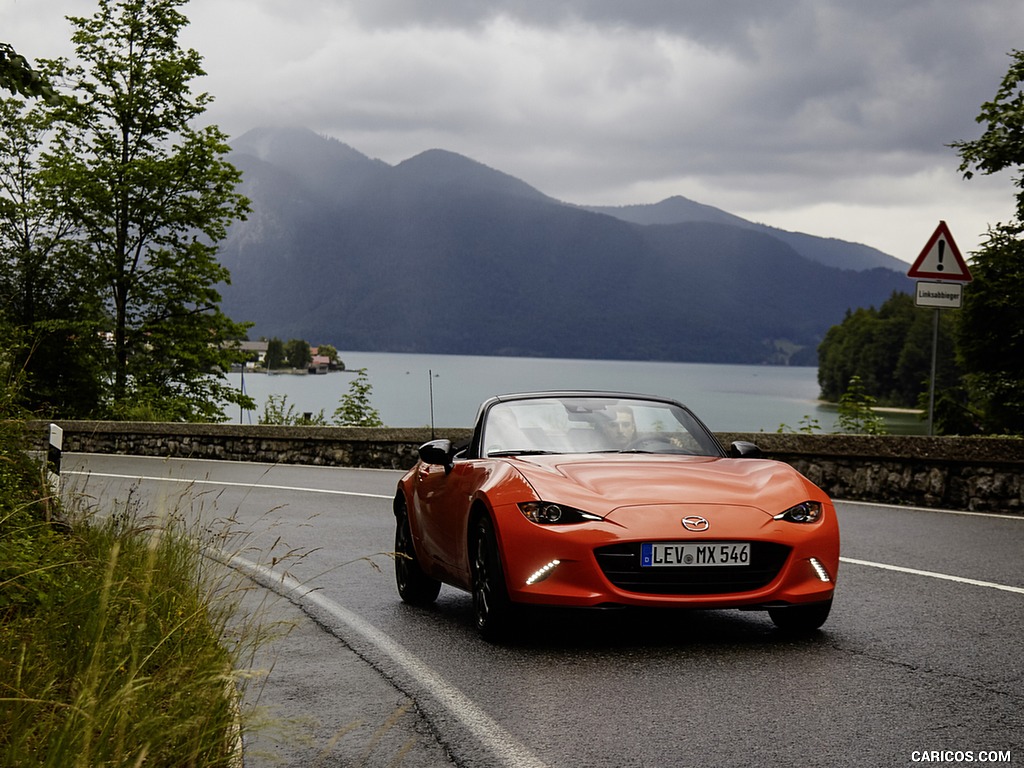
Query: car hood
pixel 602 484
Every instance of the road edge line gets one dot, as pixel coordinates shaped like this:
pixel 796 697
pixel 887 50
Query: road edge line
pixel 485 730
pixel 933 575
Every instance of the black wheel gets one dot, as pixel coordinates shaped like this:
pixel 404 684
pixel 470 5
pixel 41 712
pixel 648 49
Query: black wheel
pixel 491 605
pixel 414 586
pixel 801 618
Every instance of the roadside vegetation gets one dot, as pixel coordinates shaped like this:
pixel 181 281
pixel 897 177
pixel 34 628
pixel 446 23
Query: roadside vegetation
pixel 115 645
pixel 120 644
pixel 857 414
pixel 354 408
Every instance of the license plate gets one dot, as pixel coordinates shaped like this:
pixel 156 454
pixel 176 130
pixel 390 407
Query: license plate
pixel 676 554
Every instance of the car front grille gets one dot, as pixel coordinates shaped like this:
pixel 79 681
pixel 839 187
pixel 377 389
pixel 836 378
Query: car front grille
pixel 621 564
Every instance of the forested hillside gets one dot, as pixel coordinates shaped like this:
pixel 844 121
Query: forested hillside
pixel 442 254
pixel 890 349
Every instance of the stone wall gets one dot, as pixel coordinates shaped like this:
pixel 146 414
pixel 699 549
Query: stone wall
pixel 976 474
pixel 963 473
pixel 321 446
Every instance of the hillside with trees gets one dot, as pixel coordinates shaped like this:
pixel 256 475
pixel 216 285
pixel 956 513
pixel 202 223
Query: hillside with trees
pixel 442 254
pixel 889 348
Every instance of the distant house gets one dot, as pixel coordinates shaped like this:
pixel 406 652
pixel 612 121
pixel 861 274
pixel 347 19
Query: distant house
pixel 256 353
pixel 320 364
pixel 324 363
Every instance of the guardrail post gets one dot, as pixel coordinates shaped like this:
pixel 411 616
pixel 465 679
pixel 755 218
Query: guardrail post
pixel 53 454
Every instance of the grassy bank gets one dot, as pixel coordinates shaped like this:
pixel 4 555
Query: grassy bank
pixel 112 636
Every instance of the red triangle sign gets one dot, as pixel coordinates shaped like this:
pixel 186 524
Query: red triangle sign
pixel 941 259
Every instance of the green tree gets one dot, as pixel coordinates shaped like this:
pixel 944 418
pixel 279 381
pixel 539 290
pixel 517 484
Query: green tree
pixel 296 351
pixel 991 341
pixel 856 411
pixel 153 196
pixel 889 350
pixel 51 321
pixel 275 357
pixel 991 338
pixel 354 408
pixel 278 411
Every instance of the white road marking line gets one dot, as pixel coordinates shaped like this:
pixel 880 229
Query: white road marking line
pixel 930 509
pixel 486 731
pixel 260 486
pixel 933 575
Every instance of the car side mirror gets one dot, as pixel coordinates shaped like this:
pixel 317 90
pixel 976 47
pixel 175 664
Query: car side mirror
pixel 741 449
pixel 437 452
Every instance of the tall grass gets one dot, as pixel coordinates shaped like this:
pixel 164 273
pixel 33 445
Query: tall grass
pixel 113 646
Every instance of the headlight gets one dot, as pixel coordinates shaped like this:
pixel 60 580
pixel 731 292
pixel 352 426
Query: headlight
pixel 806 512
pixel 548 513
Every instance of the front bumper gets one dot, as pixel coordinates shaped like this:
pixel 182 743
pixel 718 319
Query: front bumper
pixel 598 563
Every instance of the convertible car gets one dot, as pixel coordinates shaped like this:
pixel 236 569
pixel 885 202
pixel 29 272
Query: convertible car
pixel 598 499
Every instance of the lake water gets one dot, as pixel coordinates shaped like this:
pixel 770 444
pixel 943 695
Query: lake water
pixel 728 398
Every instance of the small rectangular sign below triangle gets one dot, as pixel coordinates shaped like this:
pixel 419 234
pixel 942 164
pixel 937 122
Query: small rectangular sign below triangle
pixel 941 259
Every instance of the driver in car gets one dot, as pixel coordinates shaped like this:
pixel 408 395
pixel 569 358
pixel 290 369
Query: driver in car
pixel 623 426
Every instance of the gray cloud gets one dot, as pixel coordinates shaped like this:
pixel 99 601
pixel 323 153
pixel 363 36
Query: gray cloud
pixel 827 116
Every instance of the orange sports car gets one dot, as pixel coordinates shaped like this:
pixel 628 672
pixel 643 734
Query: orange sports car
pixel 600 499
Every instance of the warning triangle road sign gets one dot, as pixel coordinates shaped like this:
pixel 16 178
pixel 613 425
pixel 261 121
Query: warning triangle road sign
pixel 941 259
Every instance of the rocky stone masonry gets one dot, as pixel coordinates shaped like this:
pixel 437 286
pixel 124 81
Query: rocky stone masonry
pixel 963 473
pixel 974 474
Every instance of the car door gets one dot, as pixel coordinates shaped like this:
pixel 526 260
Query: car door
pixel 444 498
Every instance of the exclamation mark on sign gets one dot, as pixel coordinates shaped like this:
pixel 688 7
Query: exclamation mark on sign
pixel 942 252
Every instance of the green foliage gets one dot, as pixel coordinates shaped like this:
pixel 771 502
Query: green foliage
pixel 855 411
pixel 278 411
pixel 354 408
pixel 110 650
pixel 808 425
pixel 111 647
pixel 53 321
pixel 889 350
pixel 275 357
pixel 18 77
pixel 991 339
pixel 296 352
pixel 954 413
pixel 1001 146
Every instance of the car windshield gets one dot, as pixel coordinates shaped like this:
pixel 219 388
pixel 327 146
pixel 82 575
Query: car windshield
pixel 593 425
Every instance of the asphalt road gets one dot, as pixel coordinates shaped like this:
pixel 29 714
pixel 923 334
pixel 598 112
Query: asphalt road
pixel 920 662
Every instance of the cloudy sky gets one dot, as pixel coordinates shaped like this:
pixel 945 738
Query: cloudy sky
pixel 824 116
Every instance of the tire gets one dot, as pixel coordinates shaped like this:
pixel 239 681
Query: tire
pixel 414 586
pixel 801 619
pixel 492 608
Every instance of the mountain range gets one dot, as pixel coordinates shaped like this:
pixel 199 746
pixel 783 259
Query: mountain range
pixel 442 254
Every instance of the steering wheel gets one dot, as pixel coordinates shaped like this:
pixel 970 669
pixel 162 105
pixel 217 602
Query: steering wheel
pixel 649 443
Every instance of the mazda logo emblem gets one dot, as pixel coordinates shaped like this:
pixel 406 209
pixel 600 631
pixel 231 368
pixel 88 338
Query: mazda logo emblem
pixel 695 523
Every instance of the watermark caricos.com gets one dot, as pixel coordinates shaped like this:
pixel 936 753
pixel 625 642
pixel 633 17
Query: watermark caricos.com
pixel 955 756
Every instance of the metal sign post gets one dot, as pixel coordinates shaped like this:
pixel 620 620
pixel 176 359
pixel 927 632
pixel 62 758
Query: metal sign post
pixel 931 381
